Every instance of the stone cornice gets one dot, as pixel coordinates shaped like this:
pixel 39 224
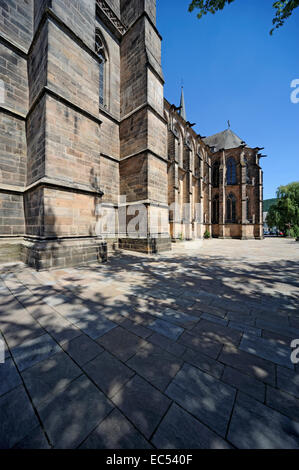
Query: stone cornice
pixel 53 183
pixel 145 151
pixel 13 113
pixel 13 46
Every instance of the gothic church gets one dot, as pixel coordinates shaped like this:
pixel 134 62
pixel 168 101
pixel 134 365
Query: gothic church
pixel 84 121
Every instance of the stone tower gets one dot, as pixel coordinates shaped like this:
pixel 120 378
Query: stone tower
pixel 143 129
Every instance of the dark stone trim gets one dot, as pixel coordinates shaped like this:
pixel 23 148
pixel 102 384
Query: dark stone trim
pixel 144 14
pixel 10 45
pixel 47 91
pixel 54 185
pixel 12 191
pixel 145 151
pixel 50 15
pixel 109 115
pixel 63 187
pixel 37 238
pixel 161 79
pixel 158 115
pixel 109 157
pixel 144 106
pixel 12 113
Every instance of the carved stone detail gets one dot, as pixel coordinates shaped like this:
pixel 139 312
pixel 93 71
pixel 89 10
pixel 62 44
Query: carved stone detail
pixel 104 7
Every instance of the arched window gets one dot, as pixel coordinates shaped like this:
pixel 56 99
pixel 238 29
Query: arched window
pixel 100 50
pixel 231 206
pixel 215 175
pixel 215 210
pixel 231 171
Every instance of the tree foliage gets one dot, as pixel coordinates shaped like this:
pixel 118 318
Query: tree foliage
pixel 268 203
pixel 285 213
pixel 283 9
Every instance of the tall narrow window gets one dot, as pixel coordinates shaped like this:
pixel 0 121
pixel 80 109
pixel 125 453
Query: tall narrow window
pixel 231 204
pixel 215 210
pixel 231 171
pixel 247 175
pixel 247 209
pixel 215 175
pixel 100 50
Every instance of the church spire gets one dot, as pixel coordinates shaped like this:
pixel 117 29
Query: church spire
pixel 182 106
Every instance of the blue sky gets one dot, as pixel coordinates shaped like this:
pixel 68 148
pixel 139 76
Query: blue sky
pixel 233 69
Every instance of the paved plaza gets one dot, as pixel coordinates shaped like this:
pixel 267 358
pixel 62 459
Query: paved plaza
pixel 190 349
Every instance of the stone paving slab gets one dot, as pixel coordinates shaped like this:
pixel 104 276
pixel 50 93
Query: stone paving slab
pixel 115 432
pixel 256 426
pixel 205 397
pixel 121 343
pixel 249 364
pixel 155 365
pixel 108 373
pixel 201 344
pixel 36 439
pixel 22 333
pixel 166 328
pixel 61 330
pixel 176 317
pixel 96 328
pixel 251 330
pixel 288 381
pixel 283 402
pixel 33 351
pixel 72 414
pixel 167 344
pixel 217 333
pixel 135 328
pixel 82 349
pixel 50 376
pixel 244 383
pixel 180 430
pixel 267 349
pixel 244 319
pixel 276 327
pixel 17 417
pixel 9 376
pixel 142 404
pixel 280 339
pixel 203 362
pixel 214 319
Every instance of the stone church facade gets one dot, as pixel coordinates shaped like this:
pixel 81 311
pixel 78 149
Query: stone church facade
pixel 84 122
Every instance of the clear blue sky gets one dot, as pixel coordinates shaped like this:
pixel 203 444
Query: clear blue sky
pixel 233 69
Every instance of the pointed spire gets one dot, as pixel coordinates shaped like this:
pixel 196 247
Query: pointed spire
pixel 182 105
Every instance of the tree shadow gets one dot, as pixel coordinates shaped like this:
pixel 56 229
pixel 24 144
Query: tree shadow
pixel 136 288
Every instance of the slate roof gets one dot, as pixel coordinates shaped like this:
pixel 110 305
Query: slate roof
pixel 224 140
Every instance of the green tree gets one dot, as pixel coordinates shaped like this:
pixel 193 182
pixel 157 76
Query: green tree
pixel 283 9
pixel 285 213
